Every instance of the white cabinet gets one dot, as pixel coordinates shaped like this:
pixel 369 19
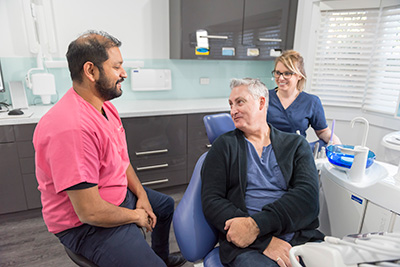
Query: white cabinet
pixel 396 223
pixel 376 219
pixel 346 209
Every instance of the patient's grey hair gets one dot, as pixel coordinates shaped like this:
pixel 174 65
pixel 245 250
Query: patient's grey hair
pixel 255 87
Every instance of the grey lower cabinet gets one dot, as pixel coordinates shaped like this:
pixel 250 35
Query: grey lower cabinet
pixel 18 185
pixel 26 153
pixel 157 147
pixel 197 140
pixel 163 151
pixel 12 193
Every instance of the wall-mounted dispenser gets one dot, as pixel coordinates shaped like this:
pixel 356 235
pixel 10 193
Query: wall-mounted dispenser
pixel 43 85
pixel 150 79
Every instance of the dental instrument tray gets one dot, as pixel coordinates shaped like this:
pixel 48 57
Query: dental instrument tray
pixel 339 159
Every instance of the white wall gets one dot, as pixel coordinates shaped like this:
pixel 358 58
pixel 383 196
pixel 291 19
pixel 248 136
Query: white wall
pixel 11 23
pixel 305 37
pixel 141 25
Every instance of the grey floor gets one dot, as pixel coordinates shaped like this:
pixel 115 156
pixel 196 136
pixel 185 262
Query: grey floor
pixel 25 241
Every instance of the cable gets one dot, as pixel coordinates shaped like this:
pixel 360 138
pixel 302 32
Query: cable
pixel 7 106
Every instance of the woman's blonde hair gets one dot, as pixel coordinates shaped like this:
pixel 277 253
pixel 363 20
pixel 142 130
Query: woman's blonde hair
pixel 293 61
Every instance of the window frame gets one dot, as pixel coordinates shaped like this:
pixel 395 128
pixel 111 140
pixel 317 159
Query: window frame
pixel 307 23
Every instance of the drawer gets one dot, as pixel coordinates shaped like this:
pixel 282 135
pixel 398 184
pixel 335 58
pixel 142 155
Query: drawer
pixel 157 136
pixel 165 179
pixel 164 172
pixel 24 132
pixel 6 134
pixel 159 165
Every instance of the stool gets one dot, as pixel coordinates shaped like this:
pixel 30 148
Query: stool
pixel 82 261
pixel 79 259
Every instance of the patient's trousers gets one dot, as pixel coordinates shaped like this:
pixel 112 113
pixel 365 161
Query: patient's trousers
pixel 125 245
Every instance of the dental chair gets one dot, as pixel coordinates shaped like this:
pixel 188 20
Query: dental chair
pixel 196 238
pixel 217 124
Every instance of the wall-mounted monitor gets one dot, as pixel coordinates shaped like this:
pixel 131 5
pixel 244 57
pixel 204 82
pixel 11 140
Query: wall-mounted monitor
pixel 2 89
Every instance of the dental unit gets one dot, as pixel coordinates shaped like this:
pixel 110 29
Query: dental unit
pixel 360 210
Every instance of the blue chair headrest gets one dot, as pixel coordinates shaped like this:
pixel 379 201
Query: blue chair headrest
pixel 218 124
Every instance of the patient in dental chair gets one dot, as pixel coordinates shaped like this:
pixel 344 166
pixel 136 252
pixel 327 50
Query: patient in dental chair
pixel 259 185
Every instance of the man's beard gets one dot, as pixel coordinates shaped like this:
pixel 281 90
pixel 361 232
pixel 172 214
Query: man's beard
pixel 106 92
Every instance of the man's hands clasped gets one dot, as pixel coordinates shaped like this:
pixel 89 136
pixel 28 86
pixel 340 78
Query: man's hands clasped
pixel 241 231
pixel 147 218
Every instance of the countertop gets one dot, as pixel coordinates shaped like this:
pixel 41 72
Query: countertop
pixel 133 108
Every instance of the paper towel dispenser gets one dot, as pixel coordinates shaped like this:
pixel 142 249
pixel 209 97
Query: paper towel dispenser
pixel 150 79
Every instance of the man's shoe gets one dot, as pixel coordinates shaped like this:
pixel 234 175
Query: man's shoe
pixel 175 260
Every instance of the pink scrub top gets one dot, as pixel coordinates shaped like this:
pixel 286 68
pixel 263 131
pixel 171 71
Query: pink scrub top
pixel 75 143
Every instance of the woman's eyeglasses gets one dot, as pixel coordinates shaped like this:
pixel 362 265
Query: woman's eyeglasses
pixel 286 74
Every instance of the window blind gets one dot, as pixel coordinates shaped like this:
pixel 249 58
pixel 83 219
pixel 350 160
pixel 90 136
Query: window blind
pixel 383 83
pixel 357 59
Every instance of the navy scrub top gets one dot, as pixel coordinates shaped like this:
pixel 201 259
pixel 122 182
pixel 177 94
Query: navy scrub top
pixel 305 110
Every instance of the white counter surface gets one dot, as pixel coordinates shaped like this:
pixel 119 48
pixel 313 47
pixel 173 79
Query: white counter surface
pixel 136 108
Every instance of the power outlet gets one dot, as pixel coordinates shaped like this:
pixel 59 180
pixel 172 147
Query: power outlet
pixel 204 81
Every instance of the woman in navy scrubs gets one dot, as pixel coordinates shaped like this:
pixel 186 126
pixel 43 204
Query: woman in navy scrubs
pixel 290 109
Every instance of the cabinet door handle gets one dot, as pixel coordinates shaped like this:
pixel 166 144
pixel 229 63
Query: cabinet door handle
pixel 151 152
pixel 156 182
pixel 209 145
pixel 214 36
pixel 152 167
pixel 269 40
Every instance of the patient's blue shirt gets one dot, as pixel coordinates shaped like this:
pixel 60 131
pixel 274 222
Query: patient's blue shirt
pixel 265 181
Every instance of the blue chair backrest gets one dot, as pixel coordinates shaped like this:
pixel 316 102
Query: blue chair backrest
pixel 217 124
pixel 194 235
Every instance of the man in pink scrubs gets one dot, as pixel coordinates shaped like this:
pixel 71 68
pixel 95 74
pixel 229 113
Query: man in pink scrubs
pixel 92 199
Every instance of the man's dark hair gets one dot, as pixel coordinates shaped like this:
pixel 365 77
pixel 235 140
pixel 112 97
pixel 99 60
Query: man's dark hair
pixel 91 46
